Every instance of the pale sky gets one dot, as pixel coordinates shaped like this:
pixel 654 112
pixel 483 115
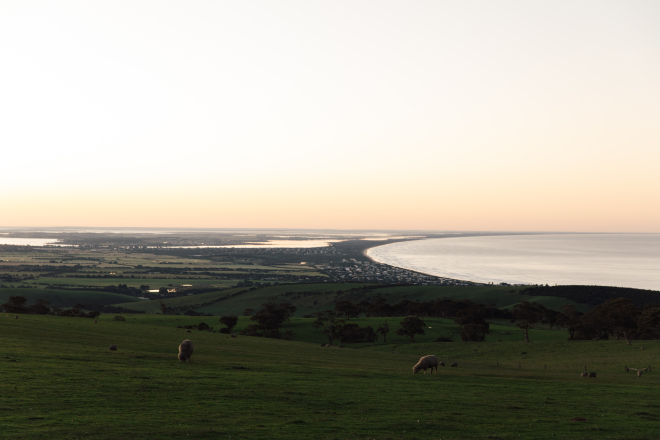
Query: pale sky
pixel 429 115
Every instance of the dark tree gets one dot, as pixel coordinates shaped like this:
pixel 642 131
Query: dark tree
pixel 229 322
pixel 347 309
pixel 353 334
pixel 251 330
pixel 40 307
pixel 15 304
pixel 648 323
pixel 474 326
pixel 528 314
pixel 570 318
pixel 383 330
pixel 620 316
pixel 473 332
pixel 273 315
pixel 411 326
pixel 380 307
pixel 329 322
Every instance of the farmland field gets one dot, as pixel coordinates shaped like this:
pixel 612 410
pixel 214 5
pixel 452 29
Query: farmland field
pixel 67 298
pixel 60 381
pixel 310 298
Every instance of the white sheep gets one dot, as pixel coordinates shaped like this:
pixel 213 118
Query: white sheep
pixel 185 350
pixel 425 362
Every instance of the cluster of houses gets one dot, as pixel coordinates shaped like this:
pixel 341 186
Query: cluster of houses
pixel 369 271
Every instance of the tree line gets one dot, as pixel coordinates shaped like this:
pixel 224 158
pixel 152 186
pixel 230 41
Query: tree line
pixel 18 304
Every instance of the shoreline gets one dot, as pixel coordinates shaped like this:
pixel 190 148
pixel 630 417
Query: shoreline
pixel 365 253
pixel 584 270
pixel 455 235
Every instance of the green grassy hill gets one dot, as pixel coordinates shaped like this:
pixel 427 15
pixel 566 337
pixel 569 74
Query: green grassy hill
pixel 68 298
pixel 306 332
pixel 310 298
pixel 154 283
pixel 60 381
pixel 501 296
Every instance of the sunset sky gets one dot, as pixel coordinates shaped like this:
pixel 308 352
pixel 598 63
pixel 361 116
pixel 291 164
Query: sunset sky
pixel 410 115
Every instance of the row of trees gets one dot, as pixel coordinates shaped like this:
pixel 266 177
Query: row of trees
pixel 618 318
pixel 18 304
pixel 439 308
pixel 269 319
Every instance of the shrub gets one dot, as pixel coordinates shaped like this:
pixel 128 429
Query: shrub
pixel 229 321
pixel 202 326
pixel 119 318
pixel 442 339
pixel 473 332
pixel 251 330
pixel 225 330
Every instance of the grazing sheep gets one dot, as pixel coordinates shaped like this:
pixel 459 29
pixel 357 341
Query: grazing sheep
pixel 112 348
pixel 441 363
pixel 185 350
pixel 454 365
pixel 639 373
pixel 425 362
pixel 95 321
pixel 584 374
pixel 233 335
pixel 592 374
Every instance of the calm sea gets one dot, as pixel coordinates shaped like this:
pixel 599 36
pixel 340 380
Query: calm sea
pixel 624 260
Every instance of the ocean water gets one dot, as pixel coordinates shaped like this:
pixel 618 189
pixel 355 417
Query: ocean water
pixel 623 260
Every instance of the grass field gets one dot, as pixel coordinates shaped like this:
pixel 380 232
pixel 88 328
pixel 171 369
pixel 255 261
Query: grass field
pixel 67 298
pixel 253 299
pixel 501 296
pixel 153 283
pixel 328 293
pixel 58 380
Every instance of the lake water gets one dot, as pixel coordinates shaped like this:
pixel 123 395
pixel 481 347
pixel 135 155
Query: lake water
pixel 623 260
pixel 28 241
pixel 266 244
pixel 286 244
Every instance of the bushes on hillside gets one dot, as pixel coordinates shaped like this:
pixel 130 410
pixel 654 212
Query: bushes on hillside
pixel 229 322
pixel 411 326
pixel 618 318
pixel 18 304
pixel 595 295
pixel 353 334
pixel 269 320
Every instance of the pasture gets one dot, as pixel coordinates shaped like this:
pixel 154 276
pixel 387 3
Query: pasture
pixel 310 298
pixel 67 298
pixel 60 381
